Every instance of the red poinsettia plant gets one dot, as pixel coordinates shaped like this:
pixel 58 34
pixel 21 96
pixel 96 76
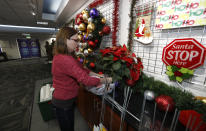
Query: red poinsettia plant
pixel 119 63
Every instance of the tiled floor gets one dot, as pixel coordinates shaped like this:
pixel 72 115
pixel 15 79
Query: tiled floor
pixel 37 123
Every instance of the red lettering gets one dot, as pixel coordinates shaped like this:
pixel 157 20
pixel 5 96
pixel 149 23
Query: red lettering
pixel 177 2
pixel 194 5
pixel 159 26
pixel 190 22
pixel 204 12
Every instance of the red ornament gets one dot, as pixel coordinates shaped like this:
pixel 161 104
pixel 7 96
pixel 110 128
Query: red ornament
pixel 106 30
pixel 92 65
pixel 130 82
pixel 184 117
pixel 100 33
pixel 163 101
pixel 91 43
pixel 96 41
pixel 177 73
pixel 78 58
pixel 100 73
pixel 79 19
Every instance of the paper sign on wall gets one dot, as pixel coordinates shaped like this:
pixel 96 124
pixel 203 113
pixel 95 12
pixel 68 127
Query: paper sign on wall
pixel 180 13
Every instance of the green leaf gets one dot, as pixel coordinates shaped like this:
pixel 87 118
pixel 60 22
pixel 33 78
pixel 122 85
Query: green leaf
pixel 174 68
pixel 183 70
pixel 179 79
pixel 116 66
pixel 169 68
pixel 173 78
pixel 169 73
pixel 186 76
pixel 127 72
pixel 116 77
pixel 108 58
pixel 191 72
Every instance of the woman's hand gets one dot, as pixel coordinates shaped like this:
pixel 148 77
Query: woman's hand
pixel 106 80
pixel 95 74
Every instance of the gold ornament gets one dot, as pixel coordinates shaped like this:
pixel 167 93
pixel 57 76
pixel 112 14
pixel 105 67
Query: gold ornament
pixel 80 37
pixel 82 27
pixel 90 50
pixel 81 49
pixel 84 45
pixel 84 12
pixel 90 27
pixel 86 52
pixel 103 20
pixel 203 99
pixel 85 16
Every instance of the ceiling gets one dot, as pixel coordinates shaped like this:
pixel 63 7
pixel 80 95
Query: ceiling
pixel 19 13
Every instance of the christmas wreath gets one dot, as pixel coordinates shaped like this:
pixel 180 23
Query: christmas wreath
pixel 91 26
pixel 179 74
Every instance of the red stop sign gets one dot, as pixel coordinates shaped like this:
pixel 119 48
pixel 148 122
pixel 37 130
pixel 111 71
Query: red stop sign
pixel 187 53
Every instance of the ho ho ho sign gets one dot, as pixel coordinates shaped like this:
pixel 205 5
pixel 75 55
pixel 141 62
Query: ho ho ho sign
pixel 187 53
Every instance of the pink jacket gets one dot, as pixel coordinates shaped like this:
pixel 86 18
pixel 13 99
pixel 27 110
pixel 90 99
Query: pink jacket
pixel 67 74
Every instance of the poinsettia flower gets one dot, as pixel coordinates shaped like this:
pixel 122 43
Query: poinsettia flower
pixel 133 55
pixel 127 59
pixel 124 49
pixel 134 74
pixel 105 51
pixel 115 58
pixel 117 53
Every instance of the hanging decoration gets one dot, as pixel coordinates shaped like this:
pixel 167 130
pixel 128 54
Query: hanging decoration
pixel 115 22
pixel 164 102
pixel 183 100
pixel 143 33
pixel 190 115
pixel 181 13
pixel 179 74
pixel 89 23
pixel 182 56
pixel 149 95
pixel 130 35
pixel 203 99
pixel 96 3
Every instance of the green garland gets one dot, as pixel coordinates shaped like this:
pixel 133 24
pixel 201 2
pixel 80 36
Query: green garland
pixel 131 23
pixel 183 100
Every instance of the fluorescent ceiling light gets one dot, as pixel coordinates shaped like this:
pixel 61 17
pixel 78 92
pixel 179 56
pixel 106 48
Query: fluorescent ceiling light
pixel 33 13
pixel 28 29
pixel 42 23
pixel 25 34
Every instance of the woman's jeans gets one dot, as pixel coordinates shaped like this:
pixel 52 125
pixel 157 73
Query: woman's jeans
pixel 65 117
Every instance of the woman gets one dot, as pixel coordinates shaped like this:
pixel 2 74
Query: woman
pixel 67 74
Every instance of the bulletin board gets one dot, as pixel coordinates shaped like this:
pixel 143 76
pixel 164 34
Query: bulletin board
pixel 151 54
